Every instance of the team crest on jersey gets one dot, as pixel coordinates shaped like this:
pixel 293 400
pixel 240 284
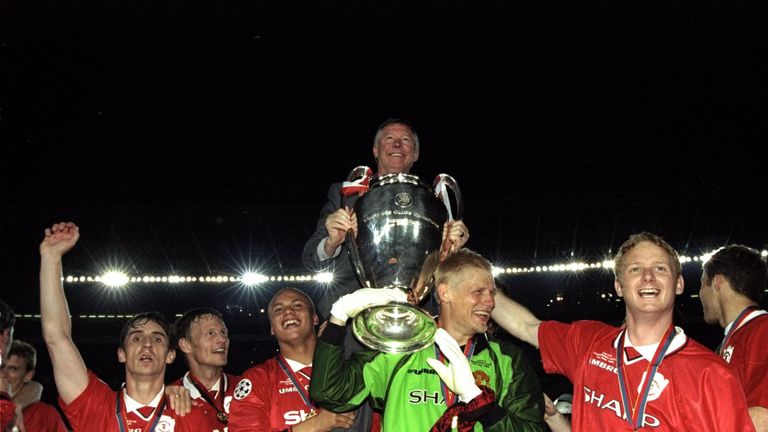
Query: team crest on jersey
pixel 243 388
pixel 482 378
pixel 165 424
pixel 657 386
pixel 728 353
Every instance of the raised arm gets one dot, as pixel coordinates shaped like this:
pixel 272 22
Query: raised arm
pixel 69 370
pixel 516 319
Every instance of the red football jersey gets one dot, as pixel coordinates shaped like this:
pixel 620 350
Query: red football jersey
pixel 265 399
pixel 41 417
pixel 692 389
pixel 95 409
pixel 747 357
pixel 221 394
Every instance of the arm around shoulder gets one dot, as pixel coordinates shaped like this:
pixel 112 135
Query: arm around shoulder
pixel 516 319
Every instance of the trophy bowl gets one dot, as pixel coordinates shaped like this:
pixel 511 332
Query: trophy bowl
pixel 400 222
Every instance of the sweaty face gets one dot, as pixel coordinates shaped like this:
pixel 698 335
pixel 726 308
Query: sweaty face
pixel 208 342
pixel 15 372
pixel 146 350
pixel 396 150
pixel 471 300
pixel 291 317
pixel 648 281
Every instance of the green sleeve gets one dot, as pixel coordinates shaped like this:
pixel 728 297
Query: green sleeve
pixel 337 384
pixel 521 405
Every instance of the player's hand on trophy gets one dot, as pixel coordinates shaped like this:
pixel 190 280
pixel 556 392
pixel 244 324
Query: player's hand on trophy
pixel 349 305
pixel 457 375
pixel 337 224
pixel 455 233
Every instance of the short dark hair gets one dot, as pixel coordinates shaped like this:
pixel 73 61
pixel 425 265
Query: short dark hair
pixel 142 318
pixel 182 325
pixel 634 240
pixel 25 352
pixel 391 121
pixel 743 267
pixel 7 317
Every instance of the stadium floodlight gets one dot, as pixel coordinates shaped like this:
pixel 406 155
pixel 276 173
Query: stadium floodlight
pixel 114 279
pixel 251 278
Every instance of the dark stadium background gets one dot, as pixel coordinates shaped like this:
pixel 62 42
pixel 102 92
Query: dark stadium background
pixel 199 138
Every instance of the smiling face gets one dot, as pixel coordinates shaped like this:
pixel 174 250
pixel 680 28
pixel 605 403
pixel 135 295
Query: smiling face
pixel 207 342
pixel 15 371
pixel 146 350
pixel 396 149
pixel 291 316
pixel 467 302
pixel 648 280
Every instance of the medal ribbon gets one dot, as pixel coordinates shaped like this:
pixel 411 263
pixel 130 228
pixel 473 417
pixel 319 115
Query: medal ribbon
pixel 295 380
pixel 441 190
pixel 122 416
pixel 357 182
pixel 636 421
pixel 469 350
pixel 735 326
pixel 220 414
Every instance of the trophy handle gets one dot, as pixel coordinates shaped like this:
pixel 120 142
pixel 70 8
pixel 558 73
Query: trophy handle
pixel 442 184
pixel 356 184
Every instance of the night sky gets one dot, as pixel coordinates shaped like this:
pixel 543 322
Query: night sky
pixel 189 135
pixel 200 137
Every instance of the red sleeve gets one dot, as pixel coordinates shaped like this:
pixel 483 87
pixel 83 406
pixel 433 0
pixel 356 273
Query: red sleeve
pixel 43 417
pixel 718 385
pixel 563 345
pixel 93 408
pixel 7 408
pixel 250 408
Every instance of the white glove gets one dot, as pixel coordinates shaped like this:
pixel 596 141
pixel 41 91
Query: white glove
pixel 457 375
pixel 352 304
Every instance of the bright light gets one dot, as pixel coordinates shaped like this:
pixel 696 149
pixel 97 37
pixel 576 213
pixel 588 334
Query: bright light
pixel 114 279
pixel 325 277
pixel 251 278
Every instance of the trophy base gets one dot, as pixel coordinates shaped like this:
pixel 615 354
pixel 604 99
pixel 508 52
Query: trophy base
pixel 395 327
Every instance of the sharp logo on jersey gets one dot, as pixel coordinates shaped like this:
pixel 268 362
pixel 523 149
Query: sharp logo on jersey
pixel 727 354
pixel 425 396
pixel 243 388
pixel 421 371
pixel 295 417
pixel 599 400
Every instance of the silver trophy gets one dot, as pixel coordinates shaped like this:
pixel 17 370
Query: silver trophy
pixel 398 245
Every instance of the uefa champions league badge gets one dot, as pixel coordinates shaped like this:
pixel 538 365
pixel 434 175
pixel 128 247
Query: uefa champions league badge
pixel 243 388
